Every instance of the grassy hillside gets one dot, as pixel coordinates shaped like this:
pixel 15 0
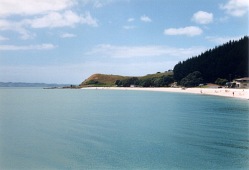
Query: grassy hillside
pixel 102 80
pixel 109 80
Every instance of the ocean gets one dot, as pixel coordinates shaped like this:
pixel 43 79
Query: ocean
pixel 109 129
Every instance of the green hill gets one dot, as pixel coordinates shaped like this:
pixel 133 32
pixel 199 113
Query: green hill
pixel 102 80
pixel 111 80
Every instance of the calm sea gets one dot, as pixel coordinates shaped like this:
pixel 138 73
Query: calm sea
pixel 104 129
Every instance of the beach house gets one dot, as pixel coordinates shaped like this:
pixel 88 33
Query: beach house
pixel 242 82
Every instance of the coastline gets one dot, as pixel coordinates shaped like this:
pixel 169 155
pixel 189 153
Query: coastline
pixel 233 93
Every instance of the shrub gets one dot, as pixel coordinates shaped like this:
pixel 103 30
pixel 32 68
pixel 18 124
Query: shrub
pixel 221 82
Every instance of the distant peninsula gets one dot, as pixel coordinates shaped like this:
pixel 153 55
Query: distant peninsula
pixel 23 84
pixel 105 80
pixel 220 65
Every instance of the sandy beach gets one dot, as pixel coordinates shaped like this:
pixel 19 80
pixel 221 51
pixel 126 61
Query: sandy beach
pixel 225 92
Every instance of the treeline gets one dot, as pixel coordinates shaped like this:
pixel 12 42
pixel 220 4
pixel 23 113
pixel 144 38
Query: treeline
pixel 163 81
pixel 224 62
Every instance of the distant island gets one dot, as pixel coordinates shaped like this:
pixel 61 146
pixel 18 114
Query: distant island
pixel 220 65
pixel 22 84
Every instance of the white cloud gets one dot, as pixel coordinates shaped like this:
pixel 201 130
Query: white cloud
pixel 32 7
pixel 4 24
pixel 202 17
pixel 222 40
pixel 129 27
pixel 189 31
pixel 27 47
pixel 140 60
pixel 89 20
pixel 40 14
pixel 113 51
pixel 66 19
pixel 51 20
pixel 236 8
pixel 145 18
pixel 100 4
pixel 96 3
pixel 2 38
pixel 72 73
pixel 67 35
pixel 130 19
pixel 135 68
pixel 17 27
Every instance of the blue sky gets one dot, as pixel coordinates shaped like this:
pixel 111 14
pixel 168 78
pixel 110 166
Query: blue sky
pixel 65 41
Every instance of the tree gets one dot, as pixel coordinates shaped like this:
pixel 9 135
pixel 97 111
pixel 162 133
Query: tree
pixel 127 82
pixel 118 83
pixel 158 82
pixel 168 80
pixel 192 79
pixel 146 82
pixel 163 81
pixel 221 82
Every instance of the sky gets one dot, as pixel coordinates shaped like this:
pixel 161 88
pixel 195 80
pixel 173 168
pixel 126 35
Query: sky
pixel 66 41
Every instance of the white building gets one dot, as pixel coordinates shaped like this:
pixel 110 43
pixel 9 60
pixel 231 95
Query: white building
pixel 242 82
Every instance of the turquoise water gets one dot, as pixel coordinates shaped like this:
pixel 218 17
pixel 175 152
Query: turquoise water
pixel 104 129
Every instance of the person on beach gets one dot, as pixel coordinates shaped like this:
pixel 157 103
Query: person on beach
pixel 233 93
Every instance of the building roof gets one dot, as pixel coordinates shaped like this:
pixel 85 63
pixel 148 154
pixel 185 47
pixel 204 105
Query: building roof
pixel 242 79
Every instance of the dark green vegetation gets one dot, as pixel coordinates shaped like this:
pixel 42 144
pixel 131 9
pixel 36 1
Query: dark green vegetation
pixel 155 80
pixel 192 79
pixel 150 80
pixel 219 65
pixel 221 82
pixel 226 62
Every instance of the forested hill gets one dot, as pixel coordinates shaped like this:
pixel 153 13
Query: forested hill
pixel 227 61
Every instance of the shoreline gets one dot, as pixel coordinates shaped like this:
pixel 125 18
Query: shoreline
pixel 224 92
